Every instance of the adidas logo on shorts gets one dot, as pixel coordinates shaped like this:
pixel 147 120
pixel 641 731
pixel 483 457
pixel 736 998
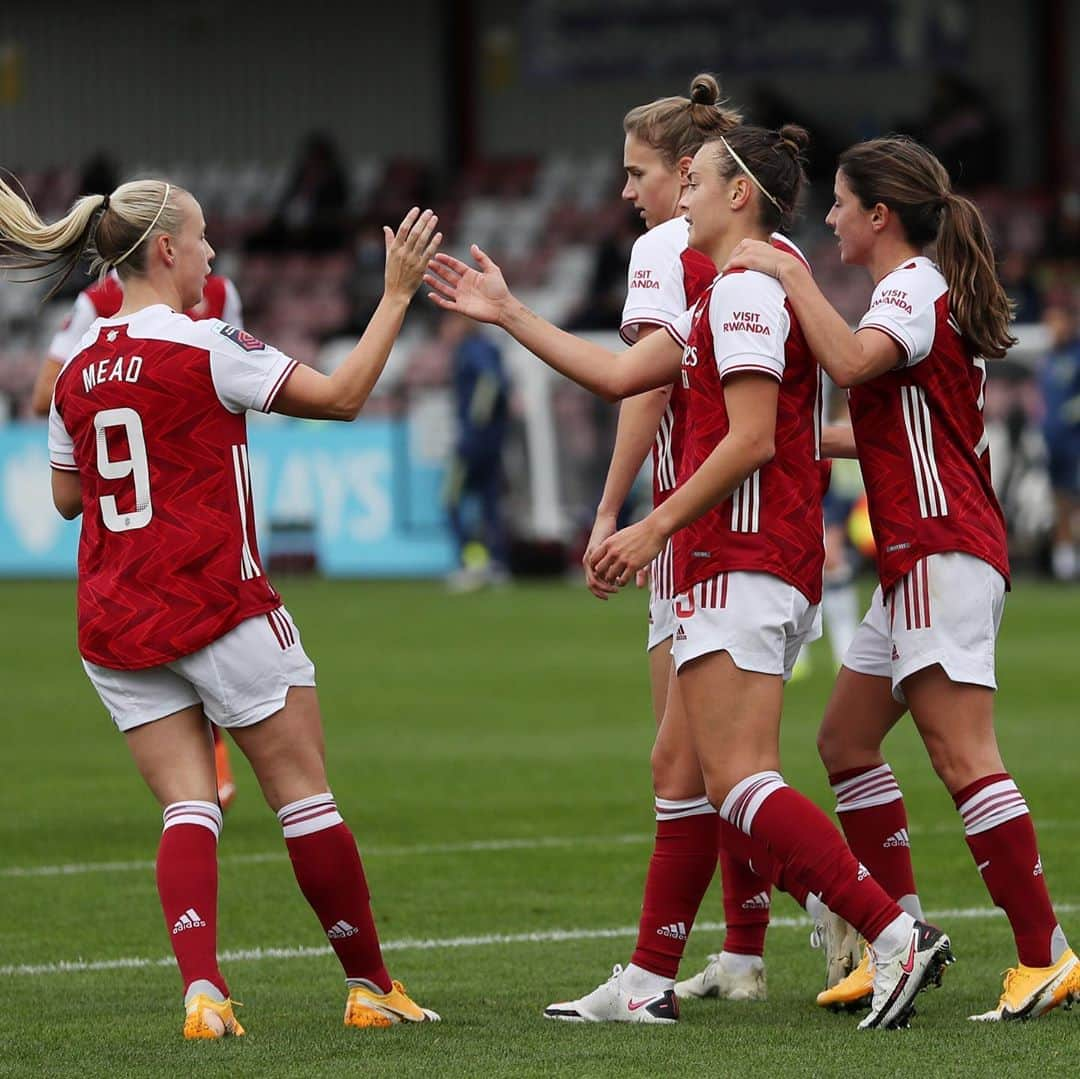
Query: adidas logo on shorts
pixel 757 902
pixel 341 929
pixel 677 931
pixel 898 839
pixel 680 634
pixel 188 920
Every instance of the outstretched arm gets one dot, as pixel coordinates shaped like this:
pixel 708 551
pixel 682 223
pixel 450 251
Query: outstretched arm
pixel 482 295
pixel 848 358
pixel 341 395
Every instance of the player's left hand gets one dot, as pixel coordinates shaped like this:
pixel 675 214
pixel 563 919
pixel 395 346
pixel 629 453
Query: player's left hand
pixel 760 256
pixel 618 559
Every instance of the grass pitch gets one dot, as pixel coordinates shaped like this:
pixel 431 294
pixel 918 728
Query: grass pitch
pixel 490 752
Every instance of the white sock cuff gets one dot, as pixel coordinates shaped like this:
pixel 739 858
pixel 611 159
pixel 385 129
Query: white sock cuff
pixel 309 815
pixel 206 814
pixel 993 805
pixel 675 808
pixel 747 796
pixel 876 787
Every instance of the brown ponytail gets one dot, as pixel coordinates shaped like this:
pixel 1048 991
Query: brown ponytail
pixel 676 127
pixel 905 176
pixel 978 302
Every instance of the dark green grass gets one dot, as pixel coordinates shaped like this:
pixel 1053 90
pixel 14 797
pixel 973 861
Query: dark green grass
pixel 517 715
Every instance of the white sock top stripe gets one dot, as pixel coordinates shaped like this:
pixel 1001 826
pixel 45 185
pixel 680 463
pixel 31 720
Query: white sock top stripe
pixel 206 814
pixel 747 796
pixel 875 787
pixel 678 808
pixel 323 801
pixel 309 815
pixel 993 805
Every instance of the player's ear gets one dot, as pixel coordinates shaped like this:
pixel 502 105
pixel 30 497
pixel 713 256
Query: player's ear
pixel 683 166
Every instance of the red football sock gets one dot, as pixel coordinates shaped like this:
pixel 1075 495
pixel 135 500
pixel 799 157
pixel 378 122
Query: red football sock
pixel 761 860
pixel 1002 841
pixel 747 896
pixel 680 870
pixel 870 807
pixel 187 882
pixel 331 876
pixel 800 836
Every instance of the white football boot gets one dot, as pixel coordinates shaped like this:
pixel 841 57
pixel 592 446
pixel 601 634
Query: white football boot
pixel 898 978
pixel 727 976
pixel 612 1002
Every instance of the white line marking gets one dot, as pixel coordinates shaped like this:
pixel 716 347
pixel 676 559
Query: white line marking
pixel 546 936
pixel 477 846
pixel 74 869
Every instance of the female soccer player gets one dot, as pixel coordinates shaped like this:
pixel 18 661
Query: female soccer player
pixel 102 300
pixel 916 369
pixel 746 517
pixel 664 279
pixel 178 623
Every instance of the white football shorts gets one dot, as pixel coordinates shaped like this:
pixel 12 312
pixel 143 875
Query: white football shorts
pixel 661 619
pixel 241 678
pixel 947 610
pixel 759 620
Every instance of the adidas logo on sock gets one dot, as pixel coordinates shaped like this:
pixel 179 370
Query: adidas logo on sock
pixel 188 920
pixel 340 930
pixel 1038 867
pixel 863 872
pixel 680 634
pixel 677 931
pixel 898 839
pixel 757 902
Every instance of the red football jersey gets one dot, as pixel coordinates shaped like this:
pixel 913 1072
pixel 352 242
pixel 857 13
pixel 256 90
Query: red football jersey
pixel 219 300
pixel 150 412
pixel 919 432
pixel 772 523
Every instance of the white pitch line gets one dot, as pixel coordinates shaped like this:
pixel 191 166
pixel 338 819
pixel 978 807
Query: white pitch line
pixel 75 869
pixel 545 936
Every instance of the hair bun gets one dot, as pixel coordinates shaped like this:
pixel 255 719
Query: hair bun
pixel 794 139
pixel 704 90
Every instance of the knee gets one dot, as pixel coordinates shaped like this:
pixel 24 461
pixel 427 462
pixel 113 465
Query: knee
pixel 958 764
pixel 675 773
pixel 831 745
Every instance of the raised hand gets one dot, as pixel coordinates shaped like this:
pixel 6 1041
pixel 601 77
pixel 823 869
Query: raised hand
pixel 479 293
pixel 409 250
pixel 619 558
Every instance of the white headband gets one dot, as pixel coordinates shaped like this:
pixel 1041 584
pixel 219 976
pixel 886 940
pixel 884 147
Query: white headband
pixel 757 183
pixel 150 227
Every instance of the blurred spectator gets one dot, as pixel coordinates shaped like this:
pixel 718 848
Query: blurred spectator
pixel 767 107
pixel 964 130
pixel 602 306
pixel 1018 279
pixel 312 213
pixel 364 286
pixel 99 175
pixel 474 479
pixel 1059 382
